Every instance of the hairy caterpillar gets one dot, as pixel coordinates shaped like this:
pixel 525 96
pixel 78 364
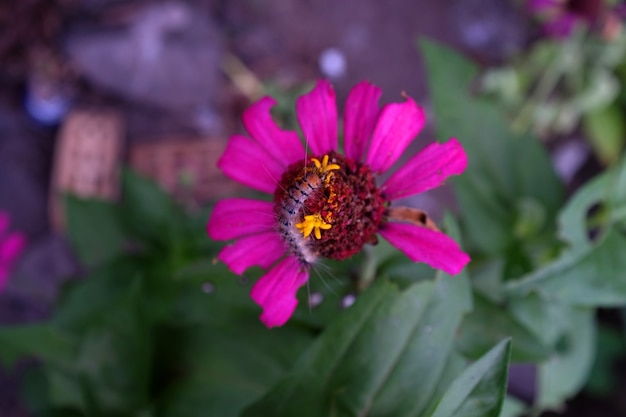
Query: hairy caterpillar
pixel 290 211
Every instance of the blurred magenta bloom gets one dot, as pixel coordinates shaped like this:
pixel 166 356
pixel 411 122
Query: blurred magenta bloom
pixel 326 204
pixel 11 245
pixel 560 17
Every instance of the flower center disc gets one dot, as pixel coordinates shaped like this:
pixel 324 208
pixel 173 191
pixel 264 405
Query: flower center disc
pixel 311 198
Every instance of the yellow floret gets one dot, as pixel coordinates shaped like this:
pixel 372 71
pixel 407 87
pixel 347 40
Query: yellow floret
pixel 324 166
pixel 313 223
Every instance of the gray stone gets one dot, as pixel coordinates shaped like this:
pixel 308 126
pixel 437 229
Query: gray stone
pixel 167 55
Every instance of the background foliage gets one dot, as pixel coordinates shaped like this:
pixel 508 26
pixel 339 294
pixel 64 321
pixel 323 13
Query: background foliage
pixel 156 328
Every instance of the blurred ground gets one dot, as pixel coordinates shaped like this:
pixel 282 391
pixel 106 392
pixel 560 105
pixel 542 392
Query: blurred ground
pixel 164 66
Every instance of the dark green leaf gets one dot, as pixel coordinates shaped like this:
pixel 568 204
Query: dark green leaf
pixel 148 211
pixel 546 319
pixel 89 299
pixel 365 362
pixel 114 358
pixel 479 391
pixel 94 229
pixel 228 367
pixel 497 185
pixel 566 372
pixel 489 323
pixel 39 340
pixel 610 348
pixel 594 276
pixel 590 272
pixel 211 294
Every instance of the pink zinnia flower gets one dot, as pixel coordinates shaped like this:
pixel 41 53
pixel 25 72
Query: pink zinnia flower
pixel 11 245
pixel 327 205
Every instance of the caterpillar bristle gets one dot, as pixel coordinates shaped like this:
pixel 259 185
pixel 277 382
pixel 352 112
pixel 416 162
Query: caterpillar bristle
pixel 291 212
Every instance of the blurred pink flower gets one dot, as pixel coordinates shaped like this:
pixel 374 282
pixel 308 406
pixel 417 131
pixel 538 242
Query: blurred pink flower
pixel 327 204
pixel 560 17
pixel 11 245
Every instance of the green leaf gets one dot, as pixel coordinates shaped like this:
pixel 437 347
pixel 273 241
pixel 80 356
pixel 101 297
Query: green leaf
pixel 114 359
pixel 513 407
pixel 479 391
pixel 566 373
pixel 573 218
pixel 42 341
pixel 375 352
pixel 588 273
pixel 226 368
pixel 497 185
pixel 594 276
pixel 489 323
pixel 87 300
pixel 610 347
pixel 607 190
pixel 606 130
pixel 149 212
pixel 546 319
pixel 94 229
pixel 211 294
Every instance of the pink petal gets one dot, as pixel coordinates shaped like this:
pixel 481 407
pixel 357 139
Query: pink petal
pixel 424 245
pixel 247 162
pixel 237 217
pixel 360 117
pixel 397 125
pixel 283 145
pixel 317 114
pixel 276 291
pixel 261 250
pixel 426 170
pixel 11 247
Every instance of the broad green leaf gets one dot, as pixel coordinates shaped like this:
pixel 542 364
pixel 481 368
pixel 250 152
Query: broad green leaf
pixel 94 229
pixel 479 391
pixel 35 393
pixel 607 189
pixel 513 407
pixel 388 344
pixel 566 372
pixel 226 368
pixel 210 293
pixel 65 390
pixel 42 341
pixel 588 273
pixel 148 211
pixel 487 279
pixel 87 300
pixel 617 197
pixel 546 319
pixel 497 185
pixel 489 323
pixel 455 365
pixel 114 361
pixel 572 220
pixel 594 276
